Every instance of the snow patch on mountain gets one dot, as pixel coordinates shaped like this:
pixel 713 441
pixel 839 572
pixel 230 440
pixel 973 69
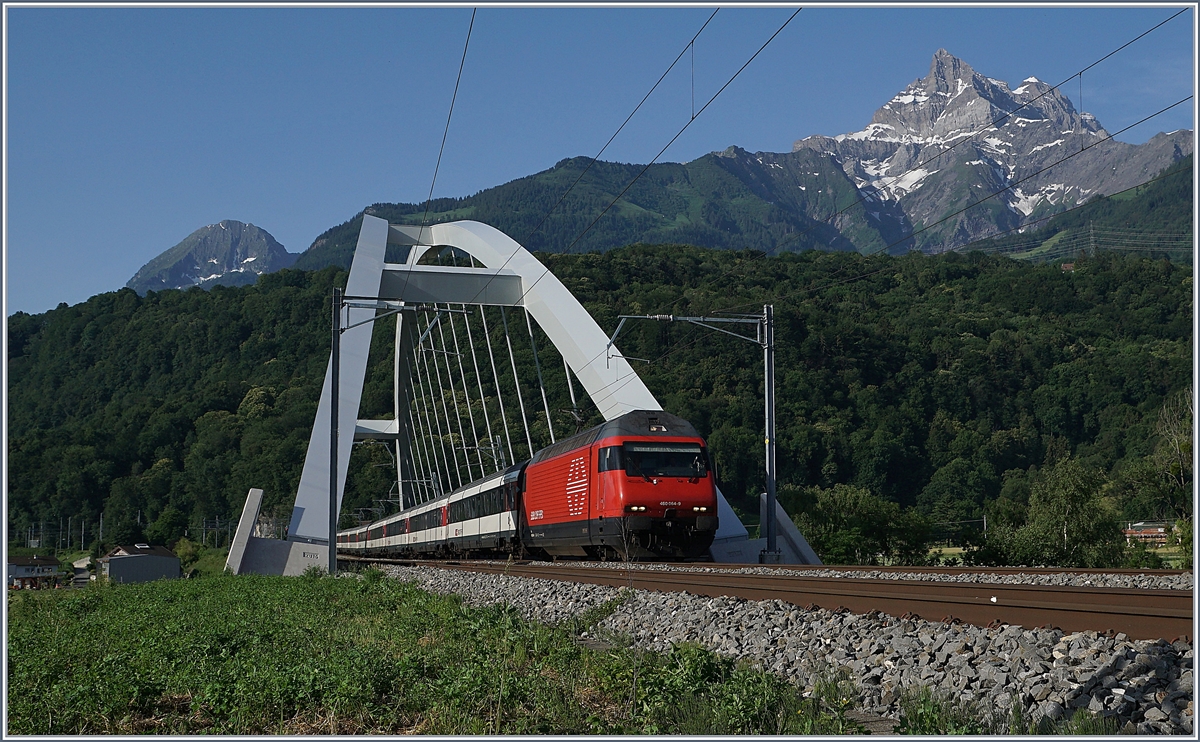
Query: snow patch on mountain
pixel 956 129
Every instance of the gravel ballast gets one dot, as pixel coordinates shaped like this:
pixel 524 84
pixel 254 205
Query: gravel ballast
pixel 1146 685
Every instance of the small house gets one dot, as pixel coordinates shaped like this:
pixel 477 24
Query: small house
pixel 140 563
pixel 1152 533
pixel 32 572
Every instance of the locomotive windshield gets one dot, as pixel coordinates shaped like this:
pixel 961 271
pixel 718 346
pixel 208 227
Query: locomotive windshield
pixel 665 460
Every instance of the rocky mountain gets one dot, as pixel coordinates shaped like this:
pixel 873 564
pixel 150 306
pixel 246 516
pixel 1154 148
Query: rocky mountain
pixel 946 140
pixel 228 253
pixel 936 148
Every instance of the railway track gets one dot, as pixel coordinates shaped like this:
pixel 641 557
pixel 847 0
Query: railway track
pixel 1139 614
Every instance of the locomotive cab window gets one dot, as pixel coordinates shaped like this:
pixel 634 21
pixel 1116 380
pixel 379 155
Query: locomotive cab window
pixel 610 458
pixel 665 460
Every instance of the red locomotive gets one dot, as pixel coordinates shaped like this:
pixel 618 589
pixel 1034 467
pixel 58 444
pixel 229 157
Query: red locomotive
pixel 637 486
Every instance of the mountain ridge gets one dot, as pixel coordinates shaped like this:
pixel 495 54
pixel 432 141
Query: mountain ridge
pixel 954 142
pixel 931 128
pixel 864 191
pixel 228 253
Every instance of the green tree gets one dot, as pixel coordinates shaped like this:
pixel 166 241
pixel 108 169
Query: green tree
pixel 849 525
pixel 125 533
pixel 168 528
pixel 1067 524
pixel 1183 537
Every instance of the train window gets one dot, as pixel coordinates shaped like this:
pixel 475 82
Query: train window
pixel 610 458
pixel 665 460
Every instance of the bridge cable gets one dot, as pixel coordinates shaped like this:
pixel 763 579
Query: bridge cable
pixel 541 385
pixel 433 486
pixel 445 409
pixel 516 381
pixel 466 391
pixel 462 437
pixel 442 468
pixel 437 421
pixel 422 477
pixel 512 458
pixel 479 382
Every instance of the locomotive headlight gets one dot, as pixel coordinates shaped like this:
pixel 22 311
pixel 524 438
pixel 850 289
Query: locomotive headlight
pixel 700 509
pixel 635 508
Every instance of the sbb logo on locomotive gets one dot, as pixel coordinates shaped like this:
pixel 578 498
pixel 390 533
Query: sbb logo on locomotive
pixel 536 514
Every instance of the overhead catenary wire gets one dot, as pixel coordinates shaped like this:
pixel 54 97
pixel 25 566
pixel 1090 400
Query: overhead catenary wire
pixel 696 114
pixel 424 218
pixel 1026 225
pixel 642 172
pixel 893 179
pixel 620 128
pixel 449 115
pixel 1016 183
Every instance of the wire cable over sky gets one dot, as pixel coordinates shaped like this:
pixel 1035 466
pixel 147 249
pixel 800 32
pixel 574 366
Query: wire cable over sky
pixel 449 115
pixel 1026 225
pixel 622 126
pixel 894 179
pixel 1016 183
pixel 647 167
pixel 692 119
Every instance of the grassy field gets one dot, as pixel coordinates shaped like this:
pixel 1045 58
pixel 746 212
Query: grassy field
pixel 247 655
pixel 277 655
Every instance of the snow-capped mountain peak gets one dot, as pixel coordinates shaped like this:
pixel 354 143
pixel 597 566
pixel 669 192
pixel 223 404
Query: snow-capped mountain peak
pixel 956 136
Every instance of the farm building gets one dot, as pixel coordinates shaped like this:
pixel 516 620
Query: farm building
pixel 140 563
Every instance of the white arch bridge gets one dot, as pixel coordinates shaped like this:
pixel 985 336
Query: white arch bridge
pixel 460 407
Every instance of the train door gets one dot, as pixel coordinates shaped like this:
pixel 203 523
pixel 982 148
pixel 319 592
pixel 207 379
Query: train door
pixel 578 492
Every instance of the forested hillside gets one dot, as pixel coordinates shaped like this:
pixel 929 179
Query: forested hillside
pixel 1155 219
pixel 710 201
pixel 941 384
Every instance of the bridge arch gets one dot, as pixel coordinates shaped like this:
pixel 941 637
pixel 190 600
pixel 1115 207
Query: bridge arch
pixel 510 276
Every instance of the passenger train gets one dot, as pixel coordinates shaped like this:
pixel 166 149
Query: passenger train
pixel 638 486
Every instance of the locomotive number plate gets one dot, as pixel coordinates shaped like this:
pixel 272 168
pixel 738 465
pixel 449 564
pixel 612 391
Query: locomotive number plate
pixel 664 502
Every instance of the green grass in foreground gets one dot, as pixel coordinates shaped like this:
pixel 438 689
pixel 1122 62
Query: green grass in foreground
pixel 246 655
pixel 279 655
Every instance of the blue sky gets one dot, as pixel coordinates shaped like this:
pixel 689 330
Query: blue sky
pixel 129 128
